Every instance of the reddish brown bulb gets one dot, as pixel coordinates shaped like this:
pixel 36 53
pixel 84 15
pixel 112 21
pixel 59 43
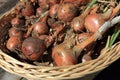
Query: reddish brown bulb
pixel 77 24
pixel 28 10
pixel 39 28
pixel 83 36
pixel 53 2
pixel 63 56
pixel 33 48
pixel 14 43
pixel 42 3
pixel 95 20
pixel 66 12
pixel 53 11
pixel 17 22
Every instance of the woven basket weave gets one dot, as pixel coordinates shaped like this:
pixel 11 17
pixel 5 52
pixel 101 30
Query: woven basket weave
pixel 82 71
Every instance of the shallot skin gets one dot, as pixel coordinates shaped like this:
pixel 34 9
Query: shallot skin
pixel 39 28
pixel 93 22
pixel 15 32
pixel 53 11
pixel 17 22
pixel 63 56
pixel 14 43
pixel 77 24
pixel 28 10
pixel 33 48
pixel 83 36
pixel 67 11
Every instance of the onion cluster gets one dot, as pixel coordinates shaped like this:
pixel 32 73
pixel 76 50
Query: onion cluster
pixel 53 27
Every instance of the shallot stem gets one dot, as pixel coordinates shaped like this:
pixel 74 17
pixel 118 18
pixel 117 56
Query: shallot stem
pixel 108 24
pixel 91 4
pixel 31 28
pixel 115 11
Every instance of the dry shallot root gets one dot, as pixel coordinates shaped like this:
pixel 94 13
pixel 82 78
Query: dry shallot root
pixel 64 30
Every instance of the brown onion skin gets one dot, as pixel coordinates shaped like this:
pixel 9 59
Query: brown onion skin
pixel 66 12
pixel 40 10
pixel 53 2
pixel 77 2
pixel 50 21
pixel 17 22
pixel 86 58
pixel 83 36
pixel 15 32
pixel 77 24
pixel 56 25
pixel 13 43
pixel 28 10
pixel 53 11
pixel 33 48
pixel 42 3
pixel 63 56
pixel 93 22
pixel 39 28
pixel 45 3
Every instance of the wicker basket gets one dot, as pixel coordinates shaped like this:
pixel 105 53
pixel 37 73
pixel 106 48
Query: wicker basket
pixel 82 71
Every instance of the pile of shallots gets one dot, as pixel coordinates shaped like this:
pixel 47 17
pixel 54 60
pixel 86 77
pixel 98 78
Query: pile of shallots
pixel 58 31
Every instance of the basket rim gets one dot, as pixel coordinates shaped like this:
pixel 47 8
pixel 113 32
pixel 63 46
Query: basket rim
pixel 1 52
pixel 100 60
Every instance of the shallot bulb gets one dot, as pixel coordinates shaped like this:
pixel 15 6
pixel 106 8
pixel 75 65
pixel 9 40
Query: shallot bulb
pixel 39 28
pixel 94 21
pixel 53 2
pixel 77 24
pixel 62 55
pixel 17 22
pixel 14 43
pixel 47 3
pixel 67 11
pixel 42 3
pixel 83 36
pixel 86 58
pixel 28 10
pixel 77 2
pixel 53 11
pixel 15 32
pixel 33 48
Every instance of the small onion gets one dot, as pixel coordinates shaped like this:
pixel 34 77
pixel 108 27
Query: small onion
pixel 28 10
pixel 14 43
pixel 39 28
pixel 94 21
pixel 33 48
pixel 83 36
pixel 17 22
pixel 66 12
pixel 53 11
pixel 14 32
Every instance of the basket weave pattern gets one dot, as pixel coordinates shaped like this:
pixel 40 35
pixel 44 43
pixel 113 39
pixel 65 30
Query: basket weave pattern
pixel 67 72
pixel 29 71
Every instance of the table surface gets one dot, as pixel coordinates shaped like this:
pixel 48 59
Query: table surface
pixel 110 73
